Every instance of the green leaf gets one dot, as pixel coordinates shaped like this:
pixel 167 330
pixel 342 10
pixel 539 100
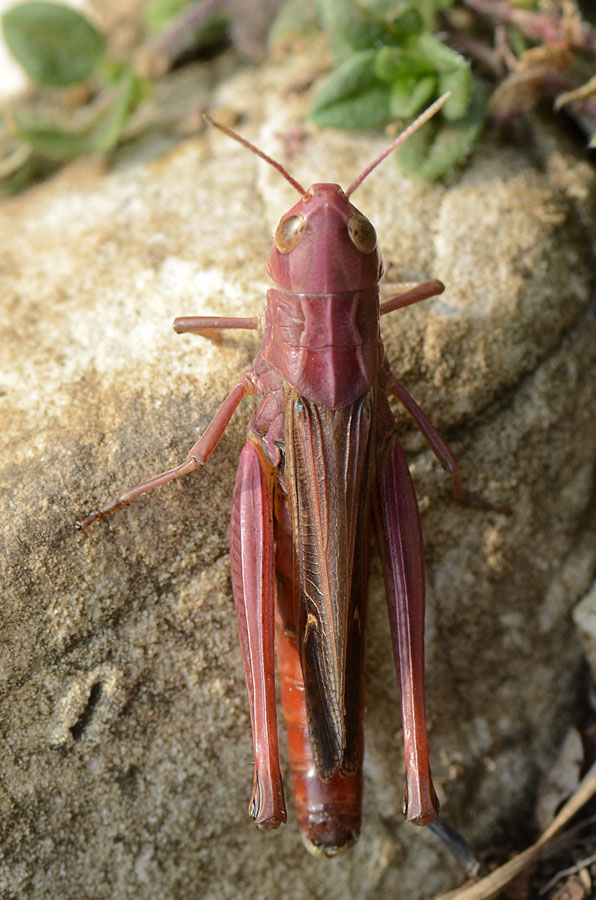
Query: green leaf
pixel 454 74
pixel 53 141
pixel 380 9
pixel 440 144
pixel 410 95
pixel 353 97
pixel 370 109
pixel 394 63
pixel 404 19
pixel 51 138
pixel 54 44
pixel 439 55
pixel 107 131
pixel 401 17
pixel 351 26
pixel 592 142
pixel 430 9
pixel 34 168
pixel 110 71
pixel 459 82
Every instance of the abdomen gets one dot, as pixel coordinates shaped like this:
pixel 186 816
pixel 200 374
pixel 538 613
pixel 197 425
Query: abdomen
pixel 328 811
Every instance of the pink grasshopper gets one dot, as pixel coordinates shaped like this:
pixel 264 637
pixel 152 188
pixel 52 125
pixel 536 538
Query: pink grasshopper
pixel 321 463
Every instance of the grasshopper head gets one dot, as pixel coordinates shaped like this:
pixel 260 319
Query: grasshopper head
pixel 325 245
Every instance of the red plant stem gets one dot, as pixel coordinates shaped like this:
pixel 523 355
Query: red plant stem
pixel 544 29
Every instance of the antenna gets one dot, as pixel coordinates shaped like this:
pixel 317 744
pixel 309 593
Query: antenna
pixel 428 113
pixel 268 159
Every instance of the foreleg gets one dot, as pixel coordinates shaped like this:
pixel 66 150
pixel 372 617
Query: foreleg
pixel 212 326
pixel 251 549
pixel 415 294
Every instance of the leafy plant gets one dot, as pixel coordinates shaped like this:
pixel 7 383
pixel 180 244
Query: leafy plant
pixel 389 66
pixel 391 59
pixel 83 100
pixel 54 44
pixel 389 63
pixel 539 51
pixel 61 49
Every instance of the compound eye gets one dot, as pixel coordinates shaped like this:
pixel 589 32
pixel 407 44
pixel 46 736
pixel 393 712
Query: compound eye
pixel 288 233
pixel 362 233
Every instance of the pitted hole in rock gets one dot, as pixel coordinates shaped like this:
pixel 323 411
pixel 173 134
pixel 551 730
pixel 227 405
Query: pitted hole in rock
pixel 84 719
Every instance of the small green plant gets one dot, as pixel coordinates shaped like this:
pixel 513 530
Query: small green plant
pixel 390 59
pixel 53 43
pixel 389 65
pixel 82 100
pixel 390 62
pixel 60 48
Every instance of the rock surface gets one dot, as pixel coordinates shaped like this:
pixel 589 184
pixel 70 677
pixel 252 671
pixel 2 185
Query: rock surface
pixel 584 616
pixel 125 736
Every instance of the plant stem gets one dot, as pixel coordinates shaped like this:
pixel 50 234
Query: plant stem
pixel 540 27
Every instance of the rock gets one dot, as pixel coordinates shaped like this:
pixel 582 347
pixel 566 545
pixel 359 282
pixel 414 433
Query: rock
pixel 584 616
pixel 127 757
